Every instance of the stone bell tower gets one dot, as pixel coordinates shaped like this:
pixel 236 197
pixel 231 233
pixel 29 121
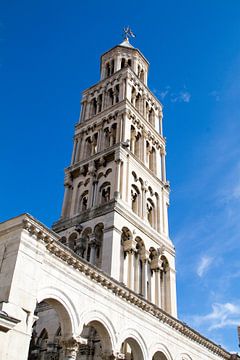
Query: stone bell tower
pixel 115 208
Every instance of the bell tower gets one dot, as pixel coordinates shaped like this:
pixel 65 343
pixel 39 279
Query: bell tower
pixel 115 207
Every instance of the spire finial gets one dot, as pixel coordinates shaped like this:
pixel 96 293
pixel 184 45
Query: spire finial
pixel 128 33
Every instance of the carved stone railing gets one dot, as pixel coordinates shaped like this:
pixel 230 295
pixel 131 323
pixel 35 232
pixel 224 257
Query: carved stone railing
pixel 53 245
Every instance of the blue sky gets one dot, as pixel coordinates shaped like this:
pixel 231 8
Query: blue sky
pixel 49 53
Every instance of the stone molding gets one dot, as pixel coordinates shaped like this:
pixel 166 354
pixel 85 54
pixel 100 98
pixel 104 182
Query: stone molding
pixel 65 254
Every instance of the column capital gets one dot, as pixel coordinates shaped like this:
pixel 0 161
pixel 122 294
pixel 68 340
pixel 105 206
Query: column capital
pixel 71 346
pixel 129 246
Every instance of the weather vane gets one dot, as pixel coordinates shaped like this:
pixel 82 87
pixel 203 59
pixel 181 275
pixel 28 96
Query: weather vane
pixel 128 33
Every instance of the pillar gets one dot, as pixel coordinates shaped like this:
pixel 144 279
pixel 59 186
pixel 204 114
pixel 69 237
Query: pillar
pixel 67 195
pixel 163 154
pixel 111 250
pixel 70 349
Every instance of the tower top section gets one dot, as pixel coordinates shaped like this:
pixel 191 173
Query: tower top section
pixel 122 56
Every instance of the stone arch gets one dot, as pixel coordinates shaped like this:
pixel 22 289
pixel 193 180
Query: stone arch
pixel 102 324
pixel 183 356
pixel 159 352
pixel 105 192
pixel 64 307
pixel 71 242
pixel 136 341
pixel 135 199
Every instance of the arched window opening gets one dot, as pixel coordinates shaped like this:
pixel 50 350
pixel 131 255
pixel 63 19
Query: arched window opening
pixel 138 102
pixel 107 138
pixel 105 193
pixel 123 63
pixel 108 69
pixel 142 75
pixel 94 143
pixel 93 107
pixel 110 97
pixel 82 247
pixel 113 134
pixel 159 356
pixel 152 160
pixel 131 349
pixel 88 147
pixel 112 66
pixel 137 150
pixel 84 201
pixel 97 342
pixel 139 71
pixel 151 212
pixel 99 103
pixel 133 96
pixel 72 240
pixel 53 324
pixel 147 111
pixel 152 117
pixel 117 93
pixel 129 62
pixel 135 198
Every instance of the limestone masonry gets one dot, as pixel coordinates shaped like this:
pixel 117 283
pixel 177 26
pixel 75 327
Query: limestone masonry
pixel 101 283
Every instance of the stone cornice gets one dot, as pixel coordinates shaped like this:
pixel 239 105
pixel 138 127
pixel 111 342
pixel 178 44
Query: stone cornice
pixel 52 244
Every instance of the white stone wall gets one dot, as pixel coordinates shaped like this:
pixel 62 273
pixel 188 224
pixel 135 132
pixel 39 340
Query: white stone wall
pixel 39 275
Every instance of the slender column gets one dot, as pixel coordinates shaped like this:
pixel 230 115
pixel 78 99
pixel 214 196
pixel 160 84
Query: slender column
pixel 92 173
pixel 129 246
pixel 163 153
pixel 144 201
pixel 143 139
pixel 83 112
pixel 74 151
pixel 159 224
pixel 117 178
pixel 144 278
pixel 156 264
pixel 122 90
pixel 93 246
pixel 67 194
pixel 157 287
pixel 130 282
pixel 119 129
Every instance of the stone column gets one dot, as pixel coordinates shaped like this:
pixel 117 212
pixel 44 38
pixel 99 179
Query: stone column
pixel 92 173
pixel 144 277
pixel 144 201
pixel 129 246
pixel 74 153
pixel 163 154
pixel 117 178
pixel 67 194
pixel 93 246
pixel 83 111
pixel 111 250
pixel 156 264
pixel 70 349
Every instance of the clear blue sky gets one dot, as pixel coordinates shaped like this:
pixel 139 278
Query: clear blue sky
pixel 49 53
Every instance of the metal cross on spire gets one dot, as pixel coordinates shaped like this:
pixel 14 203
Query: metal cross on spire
pixel 128 33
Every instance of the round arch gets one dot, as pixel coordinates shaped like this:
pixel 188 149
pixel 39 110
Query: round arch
pixel 183 356
pixel 136 341
pixel 65 309
pixel 159 351
pixel 102 324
